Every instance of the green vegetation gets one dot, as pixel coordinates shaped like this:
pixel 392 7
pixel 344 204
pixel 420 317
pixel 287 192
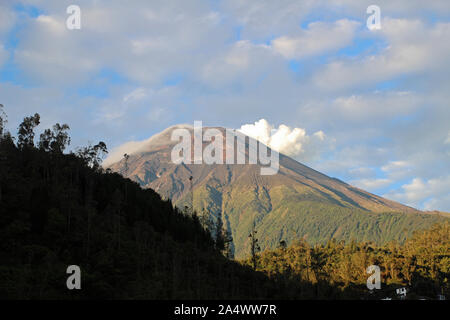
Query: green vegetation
pixel 319 223
pixel 338 270
pixel 289 216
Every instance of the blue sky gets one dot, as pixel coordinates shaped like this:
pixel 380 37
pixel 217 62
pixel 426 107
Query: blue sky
pixel 368 107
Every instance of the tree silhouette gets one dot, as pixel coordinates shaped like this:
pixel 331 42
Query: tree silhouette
pixel 219 234
pixel 55 140
pixel 3 120
pixel 93 155
pixel 254 246
pixel 126 157
pixel 25 135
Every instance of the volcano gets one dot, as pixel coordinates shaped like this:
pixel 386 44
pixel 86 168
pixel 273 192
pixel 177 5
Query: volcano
pixel 297 202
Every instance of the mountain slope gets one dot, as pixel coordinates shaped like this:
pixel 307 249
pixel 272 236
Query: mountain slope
pixel 296 202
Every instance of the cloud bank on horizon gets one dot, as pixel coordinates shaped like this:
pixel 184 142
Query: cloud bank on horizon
pixel 307 77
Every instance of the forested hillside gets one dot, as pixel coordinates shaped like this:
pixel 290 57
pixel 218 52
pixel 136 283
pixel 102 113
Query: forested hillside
pixel 421 264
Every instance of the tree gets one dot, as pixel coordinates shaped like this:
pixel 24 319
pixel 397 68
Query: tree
pixel 93 155
pixel 254 246
pixel 61 138
pixel 45 140
pixel 228 244
pixel 2 120
pixel 223 239
pixel 204 219
pixel 55 140
pixel 126 157
pixel 219 236
pixel 25 134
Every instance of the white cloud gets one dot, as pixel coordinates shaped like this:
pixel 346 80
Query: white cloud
pixel 137 94
pixel 52 25
pixel 397 170
pixel 412 48
pixel 371 184
pixel 145 42
pixel 447 141
pixel 406 8
pixel 434 191
pixel 265 17
pixel 130 148
pixel 442 202
pixel 3 55
pixel 241 62
pixel 293 142
pixel 394 165
pixel 377 105
pixel 133 147
pixel 50 53
pixel 7 19
pixel 353 161
pixel 366 177
pixel 153 105
pixel 362 173
pixel 320 37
